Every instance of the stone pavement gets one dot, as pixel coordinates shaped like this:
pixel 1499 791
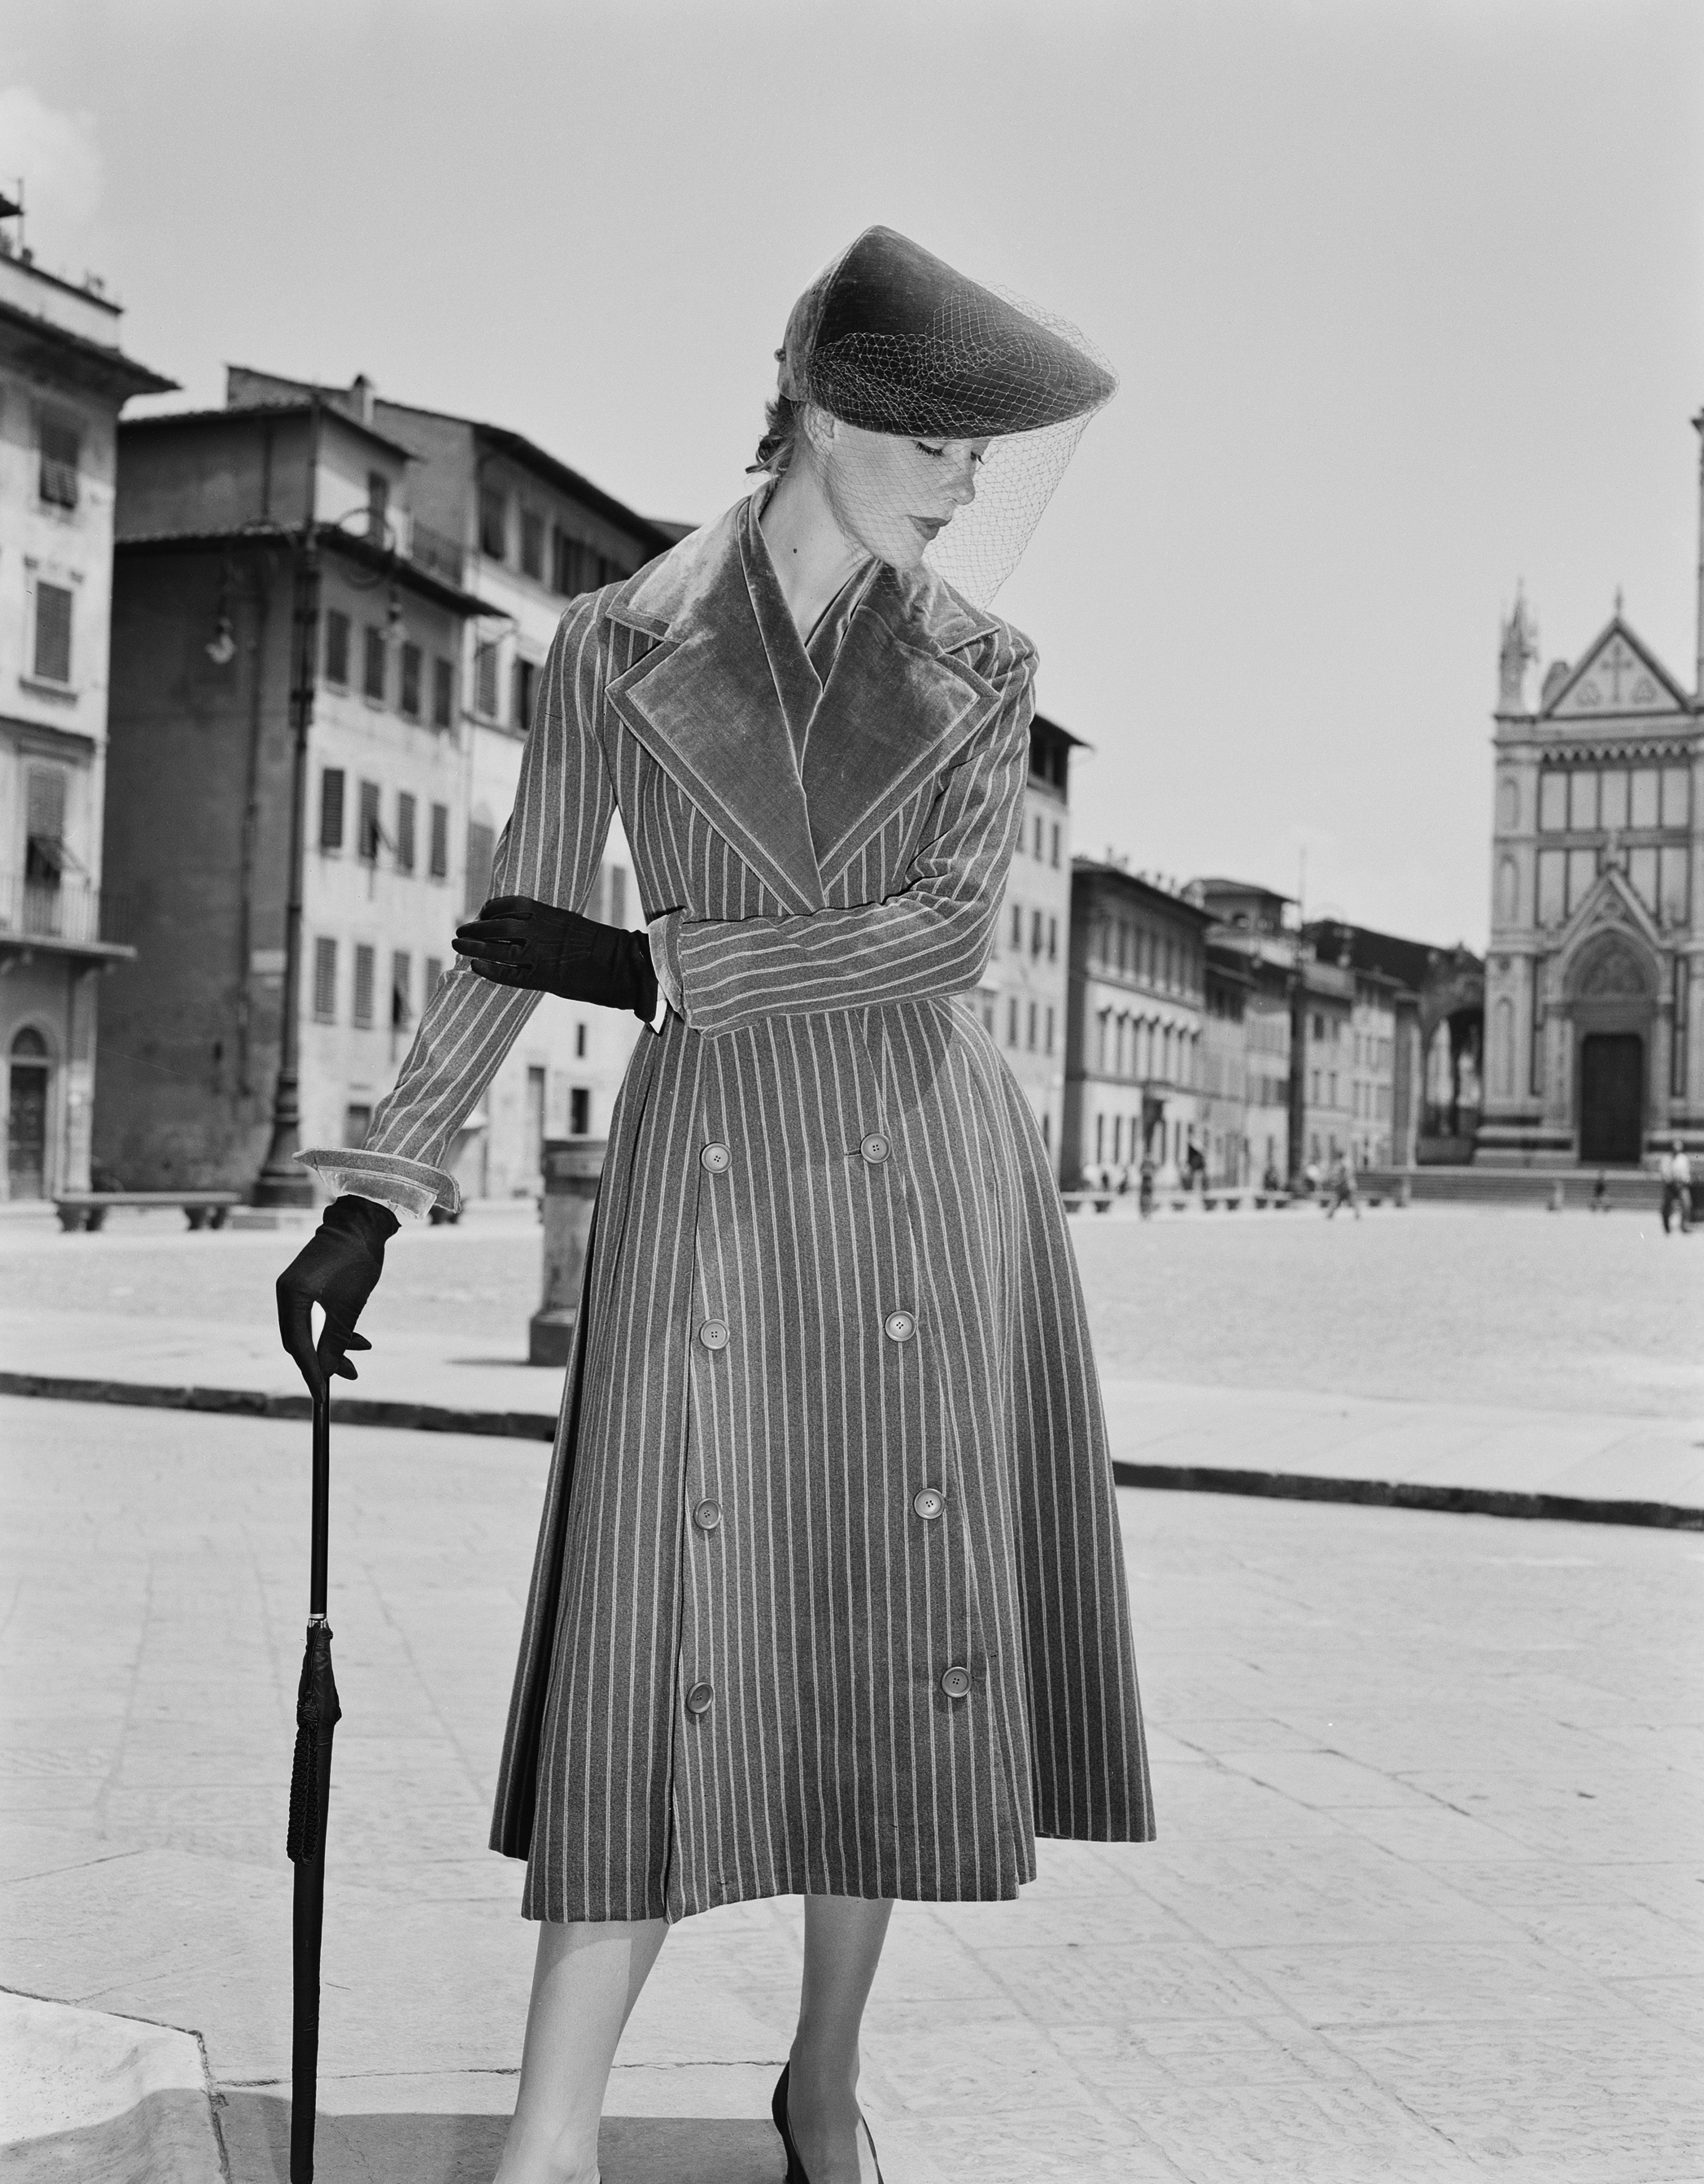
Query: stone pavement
pixel 1510 1354
pixel 1426 1903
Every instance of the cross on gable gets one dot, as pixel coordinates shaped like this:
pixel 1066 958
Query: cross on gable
pixel 1616 675
pixel 1615 661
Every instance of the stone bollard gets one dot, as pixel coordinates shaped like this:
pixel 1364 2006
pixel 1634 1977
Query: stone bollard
pixel 572 1166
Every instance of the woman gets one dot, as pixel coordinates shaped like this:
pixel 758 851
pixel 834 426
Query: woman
pixel 828 1597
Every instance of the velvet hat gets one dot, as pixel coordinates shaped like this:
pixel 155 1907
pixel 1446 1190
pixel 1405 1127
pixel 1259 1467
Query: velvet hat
pixel 892 339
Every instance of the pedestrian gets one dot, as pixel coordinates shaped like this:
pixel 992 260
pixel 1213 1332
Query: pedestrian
pixel 1676 1172
pixel 1599 1193
pixel 1343 1190
pixel 1311 1178
pixel 1145 1199
pixel 829 1596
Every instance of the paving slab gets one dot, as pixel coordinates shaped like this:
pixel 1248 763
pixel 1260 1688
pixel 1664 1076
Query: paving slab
pixel 87 2098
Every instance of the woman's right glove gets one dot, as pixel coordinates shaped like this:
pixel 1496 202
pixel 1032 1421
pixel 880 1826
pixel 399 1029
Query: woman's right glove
pixel 334 1270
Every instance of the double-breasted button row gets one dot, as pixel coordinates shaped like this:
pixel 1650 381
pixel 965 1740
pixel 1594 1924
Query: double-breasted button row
pixel 702 1697
pixel 875 1147
pixel 928 1501
pixel 716 1158
pixel 707 1515
pixel 956 1682
pixel 900 1326
pixel 713 1334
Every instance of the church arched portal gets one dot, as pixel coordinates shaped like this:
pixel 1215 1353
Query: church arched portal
pixel 1612 989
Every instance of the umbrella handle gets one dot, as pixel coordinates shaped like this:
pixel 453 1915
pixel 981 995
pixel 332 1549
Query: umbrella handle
pixel 322 1499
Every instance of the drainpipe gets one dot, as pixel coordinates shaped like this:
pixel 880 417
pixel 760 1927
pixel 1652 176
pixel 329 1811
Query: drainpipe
pixel 282 1180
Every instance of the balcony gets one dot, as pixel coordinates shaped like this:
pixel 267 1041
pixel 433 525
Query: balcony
pixel 436 553
pixel 67 917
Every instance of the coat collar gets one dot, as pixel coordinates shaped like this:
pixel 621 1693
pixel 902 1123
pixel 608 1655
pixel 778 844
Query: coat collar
pixel 710 700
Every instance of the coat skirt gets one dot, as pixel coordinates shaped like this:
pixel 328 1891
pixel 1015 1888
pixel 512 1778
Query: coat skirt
pixel 829 1593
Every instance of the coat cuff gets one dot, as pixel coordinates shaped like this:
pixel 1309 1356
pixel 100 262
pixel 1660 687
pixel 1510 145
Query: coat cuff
pixel 406 1186
pixel 663 934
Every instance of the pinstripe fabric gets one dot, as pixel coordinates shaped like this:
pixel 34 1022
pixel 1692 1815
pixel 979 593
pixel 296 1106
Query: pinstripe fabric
pixel 879 1160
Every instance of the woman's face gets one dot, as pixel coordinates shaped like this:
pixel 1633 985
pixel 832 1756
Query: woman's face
pixel 891 495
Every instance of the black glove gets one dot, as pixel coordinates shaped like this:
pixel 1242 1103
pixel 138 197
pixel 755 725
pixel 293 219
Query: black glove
pixel 516 942
pixel 336 1268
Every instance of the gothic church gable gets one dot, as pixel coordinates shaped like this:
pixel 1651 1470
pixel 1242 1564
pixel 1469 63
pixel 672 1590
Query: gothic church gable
pixel 1610 949
pixel 1617 677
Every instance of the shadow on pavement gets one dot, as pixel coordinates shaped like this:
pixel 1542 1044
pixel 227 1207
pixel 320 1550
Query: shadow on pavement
pixel 465 2149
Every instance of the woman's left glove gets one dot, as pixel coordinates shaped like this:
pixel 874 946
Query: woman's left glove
pixel 517 941
pixel 335 1269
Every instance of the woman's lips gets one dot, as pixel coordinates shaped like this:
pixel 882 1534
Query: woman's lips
pixel 932 524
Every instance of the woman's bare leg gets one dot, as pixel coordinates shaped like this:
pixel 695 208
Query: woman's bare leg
pixel 586 1980
pixel 843 1946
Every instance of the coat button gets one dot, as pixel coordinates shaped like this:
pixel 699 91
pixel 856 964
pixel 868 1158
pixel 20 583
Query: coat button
pixel 900 1326
pixel 707 1515
pixel 713 1334
pixel 716 1158
pixel 956 1682
pixel 699 1697
pixel 875 1147
pixel 928 1501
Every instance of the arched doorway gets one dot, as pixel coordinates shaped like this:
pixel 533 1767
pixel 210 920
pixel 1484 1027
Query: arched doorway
pixel 1611 997
pixel 26 1117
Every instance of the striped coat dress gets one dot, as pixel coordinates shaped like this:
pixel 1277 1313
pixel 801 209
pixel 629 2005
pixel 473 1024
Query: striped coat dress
pixel 828 1595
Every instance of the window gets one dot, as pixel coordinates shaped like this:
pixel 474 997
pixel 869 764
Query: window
pixel 1645 782
pixel 1612 810
pixel 44 827
pixel 443 691
pixel 325 981
pixel 485 681
pixel 401 972
pixel 405 833
pixel 526 678
pixel 1553 801
pixel 1552 886
pixel 53 632
pixel 580 1042
pixel 1055 846
pixel 1012 1020
pixel 332 808
pixel 532 544
pixel 1016 925
pixel 364 987
pixel 411 681
pixel 1035 931
pixel 1314 1094
pixel 493 523
pixel 1053 939
pixel 1050 1031
pixel 1031 1027
pixel 481 842
pixel 1671 892
pixel 439 864
pixel 61 450
pixel 378 505
pixel 618 896
pixel 373 663
pixel 434 978
pixel 1038 837
pixel 1318 1031
pixel 1582 800
pixel 579 1112
pixel 367 836
pixel 338 648
pixel 1677 802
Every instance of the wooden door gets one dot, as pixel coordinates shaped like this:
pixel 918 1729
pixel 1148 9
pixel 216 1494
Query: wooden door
pixel 1611 1097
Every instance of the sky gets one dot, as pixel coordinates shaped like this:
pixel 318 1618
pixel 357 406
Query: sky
pixel 1405 298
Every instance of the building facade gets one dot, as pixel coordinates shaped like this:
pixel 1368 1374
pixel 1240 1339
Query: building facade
pixel 520 533
pixel 1254 936
pixel 1134 1074
pixel 63 381
pixel 1022 999
pixel 1594 981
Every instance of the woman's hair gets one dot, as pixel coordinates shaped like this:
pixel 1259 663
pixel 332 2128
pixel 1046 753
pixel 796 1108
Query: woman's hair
pixel 783 421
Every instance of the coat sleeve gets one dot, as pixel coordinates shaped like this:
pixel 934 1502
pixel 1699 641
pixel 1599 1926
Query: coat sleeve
pixel 932 938
pixel 550 849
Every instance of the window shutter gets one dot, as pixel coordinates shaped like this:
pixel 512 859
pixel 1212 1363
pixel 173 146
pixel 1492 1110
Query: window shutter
pixel 440 841
pixel 364 986
pixel 332 808
pixel 326 980
pixel 53 632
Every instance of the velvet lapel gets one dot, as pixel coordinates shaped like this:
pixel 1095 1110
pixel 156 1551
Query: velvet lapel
pixel 797 684
pixel 703 702
pixel 901 700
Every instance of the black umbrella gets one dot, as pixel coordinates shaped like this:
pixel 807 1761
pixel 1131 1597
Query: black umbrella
pixel 317 1715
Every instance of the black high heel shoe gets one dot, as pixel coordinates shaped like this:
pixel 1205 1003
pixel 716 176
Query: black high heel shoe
pixel 796 2171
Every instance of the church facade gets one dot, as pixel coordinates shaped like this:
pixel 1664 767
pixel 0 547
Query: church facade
pixel 1594 976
